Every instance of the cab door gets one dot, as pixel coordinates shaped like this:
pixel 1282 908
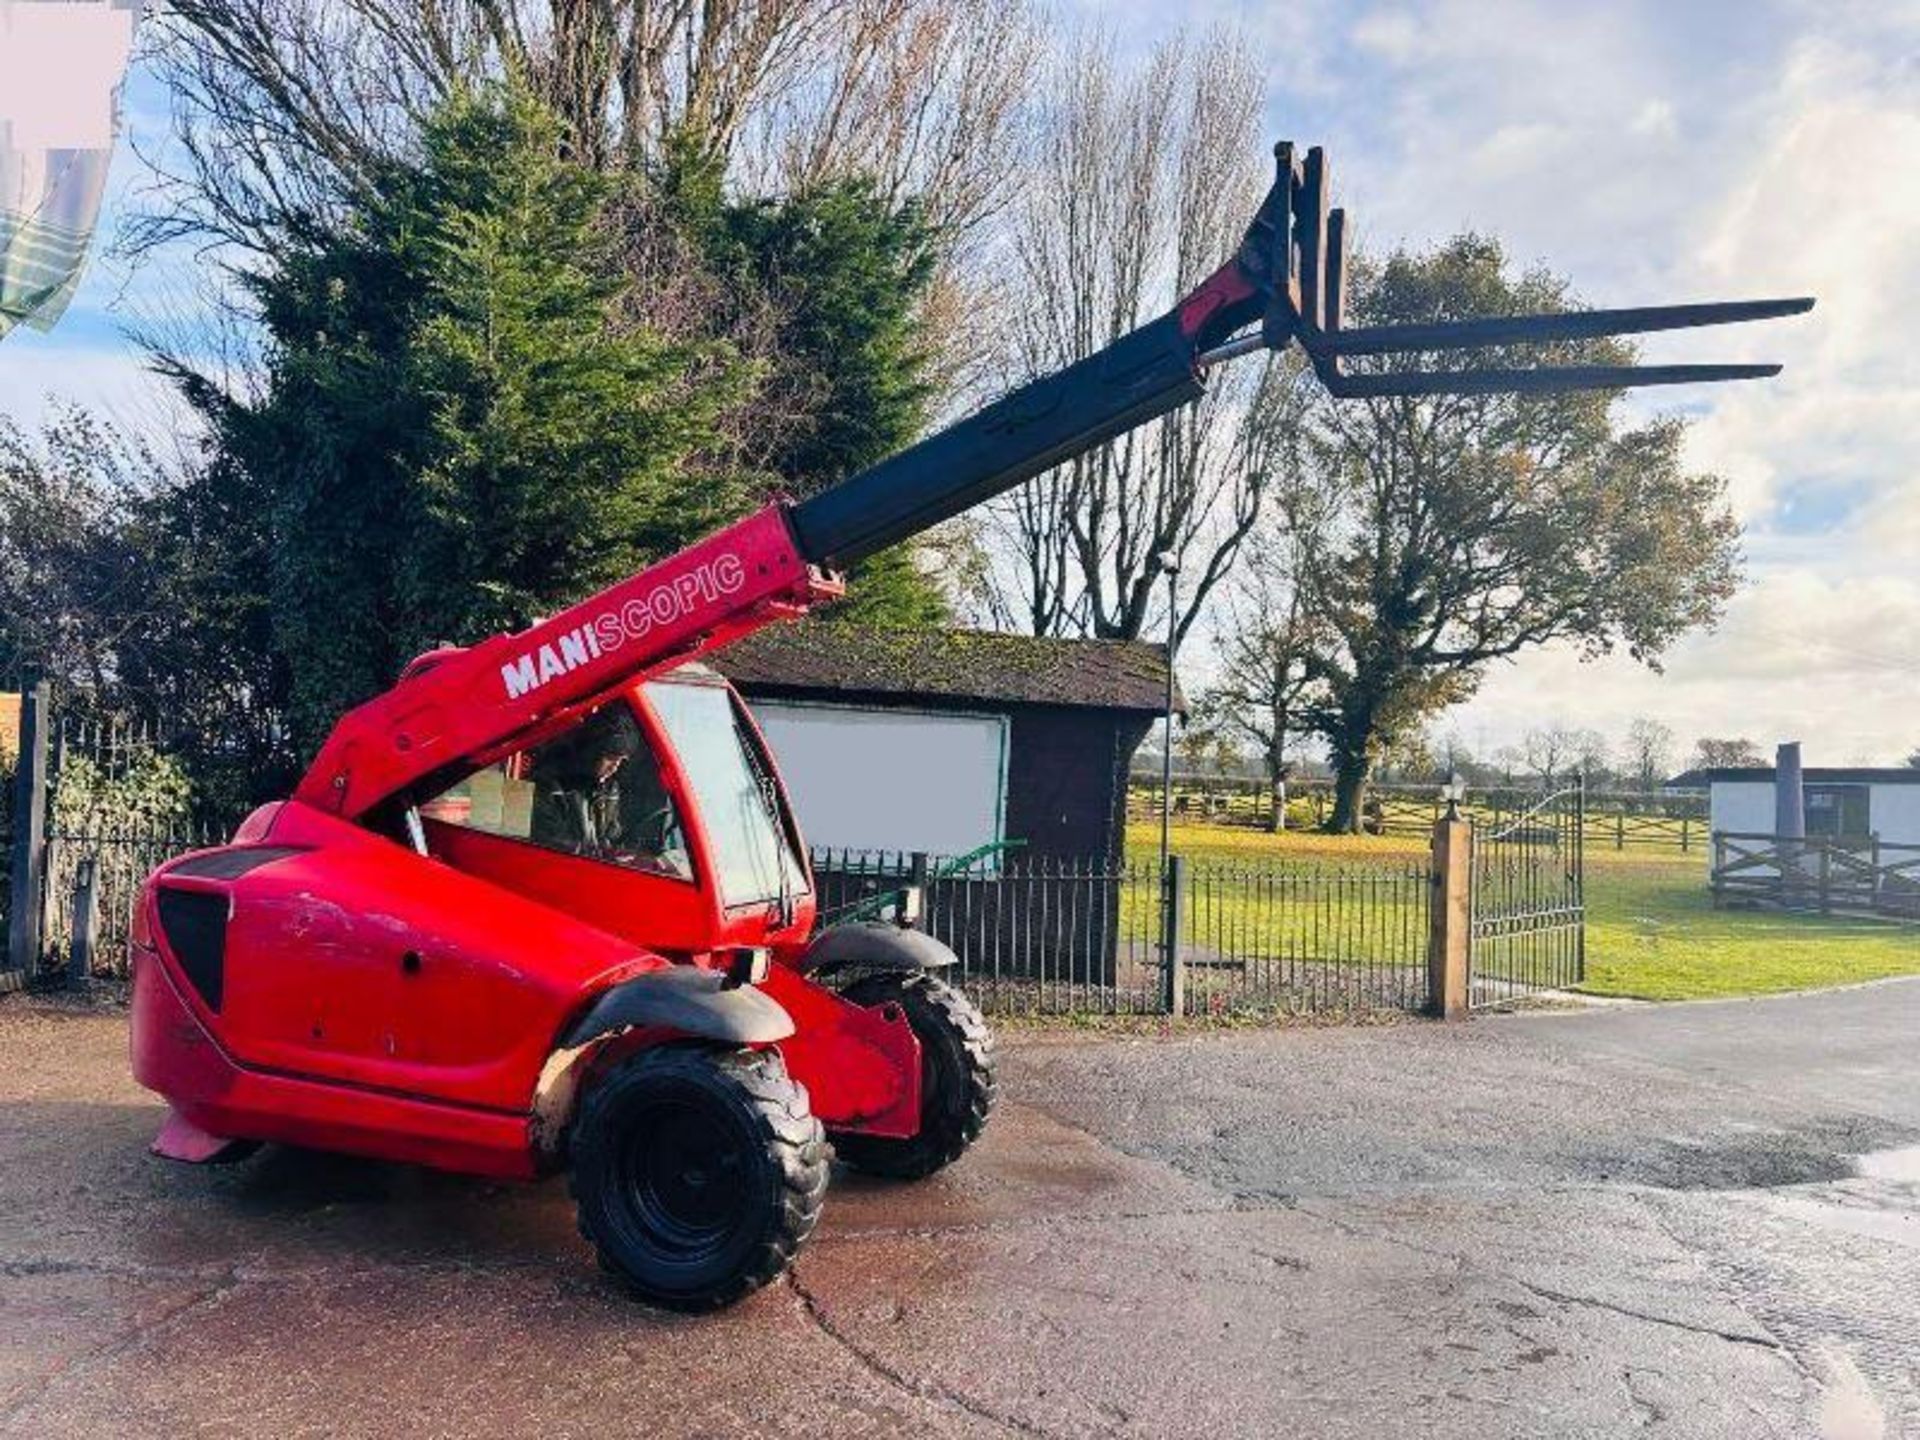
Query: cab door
pixel 589 822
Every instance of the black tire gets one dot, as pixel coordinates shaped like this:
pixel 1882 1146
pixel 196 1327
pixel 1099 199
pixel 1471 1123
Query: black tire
pixel 698 1173
pixel 956 1077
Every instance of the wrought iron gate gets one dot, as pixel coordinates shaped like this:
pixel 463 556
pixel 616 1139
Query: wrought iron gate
pixel 1529 927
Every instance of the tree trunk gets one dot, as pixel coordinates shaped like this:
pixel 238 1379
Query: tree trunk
pixel 1277 779
pixel 1355 742
pixel 1352 772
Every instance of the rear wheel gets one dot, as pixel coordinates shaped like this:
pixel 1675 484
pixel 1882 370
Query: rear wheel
pixel 698 1173
pixel 956 1077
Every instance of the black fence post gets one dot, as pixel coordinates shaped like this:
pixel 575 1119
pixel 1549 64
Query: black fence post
pixel 86 924
pixel 29 835
pixel 1580 877
pixel 1173 922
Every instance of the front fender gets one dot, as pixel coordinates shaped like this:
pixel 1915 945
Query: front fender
pixel 874 945
pixel 682 998
pixel 688 999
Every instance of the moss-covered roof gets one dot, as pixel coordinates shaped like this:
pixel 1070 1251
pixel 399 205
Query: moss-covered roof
pixel 949 664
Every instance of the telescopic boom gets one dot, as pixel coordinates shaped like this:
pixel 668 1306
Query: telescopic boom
pixel 1289 275
pixel 458 709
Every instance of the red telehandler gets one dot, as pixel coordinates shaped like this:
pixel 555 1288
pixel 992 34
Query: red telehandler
pixel 544 904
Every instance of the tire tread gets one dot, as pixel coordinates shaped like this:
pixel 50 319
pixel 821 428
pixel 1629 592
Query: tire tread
pixel 952 1136
pixel 792 1135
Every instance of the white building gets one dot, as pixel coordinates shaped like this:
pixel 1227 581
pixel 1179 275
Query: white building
pixel 1843 804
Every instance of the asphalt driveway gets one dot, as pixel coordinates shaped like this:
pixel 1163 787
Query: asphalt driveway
pixel 1647 1218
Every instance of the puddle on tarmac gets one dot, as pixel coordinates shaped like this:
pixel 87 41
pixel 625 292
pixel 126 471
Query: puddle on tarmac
pixel 1902 1166
pixel 1881 1201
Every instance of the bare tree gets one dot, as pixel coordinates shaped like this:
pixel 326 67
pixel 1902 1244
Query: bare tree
pixel 1648 752
pixel 1559 752
pixel 1141 183
pixel 1712 754
pixel 1547 750
pixel 1591 756
pixel 1266 642
pixel 284 109
pixel 922 98
pixel 1454 756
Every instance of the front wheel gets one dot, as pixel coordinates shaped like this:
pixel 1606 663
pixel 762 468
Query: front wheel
pixel 956 1077
pixel 698 1173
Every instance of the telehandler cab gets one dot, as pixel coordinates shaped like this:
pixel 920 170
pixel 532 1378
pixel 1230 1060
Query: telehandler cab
pixel 544 904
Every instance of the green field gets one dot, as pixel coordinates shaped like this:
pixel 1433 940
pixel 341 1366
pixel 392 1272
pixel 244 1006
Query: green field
pixel 1652 931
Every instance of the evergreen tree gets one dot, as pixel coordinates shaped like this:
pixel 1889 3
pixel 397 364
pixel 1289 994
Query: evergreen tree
pixel 845 277
pixel 453 437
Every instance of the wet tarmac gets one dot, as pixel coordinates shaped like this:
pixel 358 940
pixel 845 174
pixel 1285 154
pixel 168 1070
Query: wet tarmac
pixel 1697 1220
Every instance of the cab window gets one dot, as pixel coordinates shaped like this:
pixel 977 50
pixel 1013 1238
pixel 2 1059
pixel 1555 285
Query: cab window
pixel 593 791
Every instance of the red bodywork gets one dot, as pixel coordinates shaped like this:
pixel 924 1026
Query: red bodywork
pixel 375 999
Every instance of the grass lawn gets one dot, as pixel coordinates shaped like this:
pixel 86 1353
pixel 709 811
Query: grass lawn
pixel 1652 931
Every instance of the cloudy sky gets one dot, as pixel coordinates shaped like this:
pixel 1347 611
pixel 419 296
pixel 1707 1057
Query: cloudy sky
pixel 1669 150
pixel 1654 150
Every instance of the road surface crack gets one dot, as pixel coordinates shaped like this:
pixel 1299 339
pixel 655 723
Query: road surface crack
pixel 1562 1297
pixel 924 1390
pixel 118 1345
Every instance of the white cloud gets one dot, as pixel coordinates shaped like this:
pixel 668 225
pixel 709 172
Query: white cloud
pixel 1660 152
pixel 1393 35
pixel 1655 119
pixel 1803 655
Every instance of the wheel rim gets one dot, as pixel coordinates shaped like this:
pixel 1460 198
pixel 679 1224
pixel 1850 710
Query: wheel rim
pixel 684 1175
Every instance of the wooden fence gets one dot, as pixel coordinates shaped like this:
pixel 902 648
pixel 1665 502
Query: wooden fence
pixel 1867 876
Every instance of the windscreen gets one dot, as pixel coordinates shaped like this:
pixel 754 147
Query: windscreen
pixel 737 800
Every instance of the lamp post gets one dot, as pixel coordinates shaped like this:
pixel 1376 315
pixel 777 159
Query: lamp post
pixel 1174 996
pixel 1169 562
pixel 1453 792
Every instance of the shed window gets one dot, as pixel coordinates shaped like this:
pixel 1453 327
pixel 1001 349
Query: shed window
pixel 1837 812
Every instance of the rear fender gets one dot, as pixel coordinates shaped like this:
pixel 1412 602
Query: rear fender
pixel 680 1002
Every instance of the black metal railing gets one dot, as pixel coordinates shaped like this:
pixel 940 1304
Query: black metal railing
pixel 1529 923
pixel 1035 935
pixel 1047 936
pixel 1319 939
pixel 123 855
